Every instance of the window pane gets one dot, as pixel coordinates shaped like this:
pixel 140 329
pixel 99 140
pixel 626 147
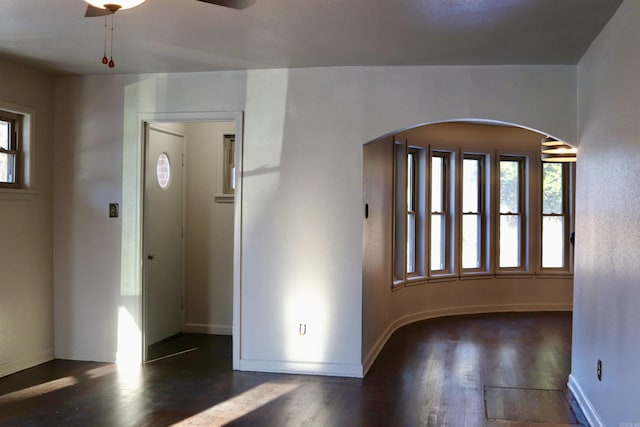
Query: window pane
pixel 7 168
pixel 229 178
pixel 163 170
pixel 400 214
pixel 509 186
pixel 410 182
pixel 411 243
pixel 470 182
pixel 437 182
pixel 471 241
pixel 552 188
pixel 509 241
pixel 552 242
pixel 4 134
pixel 437 242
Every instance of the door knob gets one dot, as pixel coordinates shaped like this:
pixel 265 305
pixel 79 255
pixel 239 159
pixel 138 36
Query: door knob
pixel 150 256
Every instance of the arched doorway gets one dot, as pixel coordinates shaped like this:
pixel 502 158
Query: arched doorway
pixel 457 221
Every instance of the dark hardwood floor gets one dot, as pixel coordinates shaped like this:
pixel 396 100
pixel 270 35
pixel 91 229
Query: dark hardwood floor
pixel 453 371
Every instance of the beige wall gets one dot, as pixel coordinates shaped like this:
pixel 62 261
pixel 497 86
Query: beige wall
pixel 209 232
pixel 26 308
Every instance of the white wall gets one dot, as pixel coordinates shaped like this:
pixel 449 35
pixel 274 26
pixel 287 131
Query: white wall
pixel 26 309
pixel 302 191
pixel 606 315
pixel 209 232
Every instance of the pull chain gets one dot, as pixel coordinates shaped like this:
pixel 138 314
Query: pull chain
pixel 105 60
pixel 108 61
pixel 111 63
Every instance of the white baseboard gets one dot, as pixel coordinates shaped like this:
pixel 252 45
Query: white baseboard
pixel 585 404
pixel 13 366
pixel 453 311
pixel 198 328
pixel 86 355
pixel 303 368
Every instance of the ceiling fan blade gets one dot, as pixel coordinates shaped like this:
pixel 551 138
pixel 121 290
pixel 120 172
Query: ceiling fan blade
pixel 233 4
pixel 93 12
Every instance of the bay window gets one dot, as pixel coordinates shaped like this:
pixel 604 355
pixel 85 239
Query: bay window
pixel 462 214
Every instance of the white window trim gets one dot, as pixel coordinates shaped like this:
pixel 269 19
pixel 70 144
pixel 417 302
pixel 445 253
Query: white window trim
pixel 569 200
pixel 485 195
pixel 27 150
pixel 527 206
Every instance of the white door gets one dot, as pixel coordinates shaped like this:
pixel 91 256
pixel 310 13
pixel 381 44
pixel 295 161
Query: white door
pixel 163 235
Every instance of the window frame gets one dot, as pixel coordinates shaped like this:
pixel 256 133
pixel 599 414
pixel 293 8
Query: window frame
pixel 401 212
pixel 399 260
pixel 568 214
pixel 447 214
pixel 412 210
pixel 524 189
pixel 15 122
pixel 484 197
pixel 228 166
pixel 25 174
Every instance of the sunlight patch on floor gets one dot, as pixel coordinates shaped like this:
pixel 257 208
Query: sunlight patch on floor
pixel 238 406
pixel 38 390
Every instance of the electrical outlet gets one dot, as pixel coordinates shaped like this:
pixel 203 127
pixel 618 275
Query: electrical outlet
pixel 114 210
pixel 599 370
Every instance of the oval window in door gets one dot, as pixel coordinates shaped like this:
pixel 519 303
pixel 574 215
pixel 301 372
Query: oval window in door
pixel 163 170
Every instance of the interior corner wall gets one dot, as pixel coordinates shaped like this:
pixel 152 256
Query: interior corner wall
pixel 26 286
pixel 301 223
pixel 208 231
pixel 607 291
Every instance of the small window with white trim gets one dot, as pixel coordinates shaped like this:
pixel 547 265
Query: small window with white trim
pixel 11 166
pixel 16 150
pixel 229 166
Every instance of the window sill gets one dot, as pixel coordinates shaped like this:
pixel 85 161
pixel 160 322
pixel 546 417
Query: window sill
pixel 476 276
pixel 558 275
pixel 424 280
pixel 17 194
pixel 415 281
pixel 515 275
pixel 397 285
pixel 448 278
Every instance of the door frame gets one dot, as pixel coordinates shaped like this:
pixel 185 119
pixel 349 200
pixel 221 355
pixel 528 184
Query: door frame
pixel 145 119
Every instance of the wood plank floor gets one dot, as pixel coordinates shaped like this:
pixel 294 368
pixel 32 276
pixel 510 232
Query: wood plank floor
pixel 430 373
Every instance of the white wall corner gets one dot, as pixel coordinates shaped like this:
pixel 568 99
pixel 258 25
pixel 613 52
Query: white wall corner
pixel 91 355
pixel 585 404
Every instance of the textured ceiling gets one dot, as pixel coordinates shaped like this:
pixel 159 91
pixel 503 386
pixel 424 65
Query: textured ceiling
pixel 188 35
